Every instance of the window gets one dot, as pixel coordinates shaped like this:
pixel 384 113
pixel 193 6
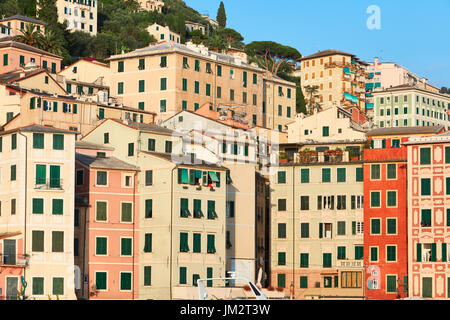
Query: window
pixel 391 171
pixel 120 88
pixel 425 220
pixel 303 282
pixel 102 178
pixel 58 286
pixel 125 281
pixel 304 230
pixel 198 208
pixel 147 275
pixel 304 260
pixel 38 141
pixel 101 280
pixel 375 172
pixel 183 277
pixel 163 84
pixel 38 286
pixel 38 206
pixel 163 63
pixel 168 147
pixel 37 240
pixel 425 186
pixel 341 202
pixel 304 202
pixel 325 230
pixel 212 214
pixel 126 246
pixel 391 199
pixel 101 246
pixel 131 149
pixel 340 174
pixel 391 283
pixel 375 226
pixel 197 65
pixel 304 173
pixel 341 253
pixel 375 201
pixel 230 209
pixel 391 226
pixel 57 206
pixel 325 131
pixel 120 67
pixel 281 258
pixel 351 279
pixel 101 211
pixel 126 213
pixel 149 177
pixel 425 156
pixel 281 176
pixel 359 174
pixel 326 260
pixel 341 228
pixel 281 204
pixel 141 85
pixel 184 247
pixel 13 174
pixel 373 253
pixel 281 280
pixel 359 252
pixel 282 230
pixel 326 175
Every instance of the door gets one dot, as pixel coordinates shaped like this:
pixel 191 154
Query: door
pixel 55 177
pixel 427 287
pixel 11 288
pixel 9 252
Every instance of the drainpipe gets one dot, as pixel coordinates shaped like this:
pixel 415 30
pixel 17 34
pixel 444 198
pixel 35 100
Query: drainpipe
pixel 86 216
pixel 25 196
pixel 293 232
pixel 134 228
pixel 171 231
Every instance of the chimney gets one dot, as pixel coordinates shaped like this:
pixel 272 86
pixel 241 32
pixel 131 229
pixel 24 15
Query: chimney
pixel 376 61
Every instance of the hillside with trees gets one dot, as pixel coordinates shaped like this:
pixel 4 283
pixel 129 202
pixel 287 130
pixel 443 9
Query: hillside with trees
pixel 122 28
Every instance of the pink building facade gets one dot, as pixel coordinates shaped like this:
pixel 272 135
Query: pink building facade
pixel 106 225
pixel 12 265
pixel 429 216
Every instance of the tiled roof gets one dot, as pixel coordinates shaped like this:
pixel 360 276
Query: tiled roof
pixel 325 53
pixel 151 128
pixel 5 43
pixel 404 130
pixel 38 128
pixel 92 146
pixel 104 163
pixel 23 18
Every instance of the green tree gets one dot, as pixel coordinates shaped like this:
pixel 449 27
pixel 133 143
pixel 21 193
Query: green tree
pixel 27 7
pixel 197 37
pixel 271 55
pixel 30 36
pixel 181 27
pixel 222 16
pixel 50 42
pixel 216 43
pixel 48 12
pixel 444 90
pixel 9 8
pixel 231 37
pixel 311 93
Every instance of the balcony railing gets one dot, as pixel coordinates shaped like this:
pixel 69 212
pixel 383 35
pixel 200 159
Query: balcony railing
pixel 17 260
pixel 48 184
pixel 321 157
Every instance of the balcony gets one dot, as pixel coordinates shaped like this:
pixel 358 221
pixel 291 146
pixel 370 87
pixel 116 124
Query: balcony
pixel 330 156
pixel 14 260
pixel 48 184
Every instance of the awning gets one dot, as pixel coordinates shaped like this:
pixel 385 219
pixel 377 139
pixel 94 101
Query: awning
pixel 369 95
pixel 377 84
pixel 198 174
pixel 369 85
pixel 369 105
pixel 370 75
pixel 9 234
pixel 347 70
pixel 213 176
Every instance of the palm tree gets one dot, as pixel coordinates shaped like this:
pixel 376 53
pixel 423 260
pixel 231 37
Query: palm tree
pixel 50 42
pixel 30 35
pixel 312 91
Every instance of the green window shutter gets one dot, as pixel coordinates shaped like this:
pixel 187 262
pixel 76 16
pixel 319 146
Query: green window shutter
pixel 148 208
pixel 141 85
pixel 1 144
pixel 304 230
pixel 102 178
pixel 101 113
pixel 375 226
pixel 341 175
pixel 197 65
pixel 374 254
pixel 419 252
pixel 447 154
pixel 341 228
pixel 40 174
pixel 55 180
pixel 75 108
pixel 447 185
pixel 162 105
pixel 303 282
pixel 341 253
pixel 163 83
pixel 327 260
pixel 57 241
pixel 22 62
pixel 325 131
pixel 13 174
pixel 391 253
pixel 433 252
pixel 208 90
pixel 131 149
pixel 101 246
pixel 163 63
pixel 425 186
pixel 101 280
pixel 38 206
pixel 391 171
pixel 196 87
pixel 281 230
pixel 57 206
pixel 184 247
pixel 304 175
pixel 281 258
pixel 197 243
pixel 209 274
pixel 185 86
pixel 391 226
pixel 125 281
pixel 55 106
pixel 359 174
pixel 219 71
pixel 58 286
pixel 304 260
pixel 101 211
pixel 353 227
pixel 58 142
pixel 281 280
pixel 125 246
pixel 5 59
pixel 391 283
pixel 37 241
pixel 375 171
pixel 320 230
pixel 14 141
pixel 38 286
pixel 392 198
pixel 281 176
pixel 183 275
pixel 32 102
pixel 444 252
pixel 375 199
pixel 326 175
pixel 120 66
pixel 38 141
pixel 148 242
pixel 141 105
pixel 359 252
pixel 120 87
pixel 53 68
pixel 383 144
pixel 211 248
pixel 281 204
pixel 448 218
pixel 147 276
pixel 127 215
pixel 425 156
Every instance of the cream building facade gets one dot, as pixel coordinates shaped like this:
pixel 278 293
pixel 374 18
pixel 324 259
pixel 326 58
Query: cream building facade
pixel 182 228
pixel 151 5
pixel 37 197
pixel 80 15
pixel 162 33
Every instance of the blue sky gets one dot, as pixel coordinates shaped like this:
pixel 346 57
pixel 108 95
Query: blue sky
pixel 415 33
